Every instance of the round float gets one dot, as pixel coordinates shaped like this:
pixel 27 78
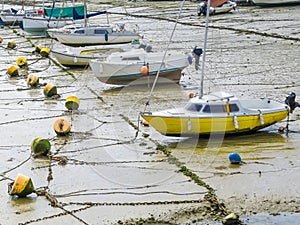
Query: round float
pixel 38 48
pixel 40 146
pixel 235 158
pixel 50 90
pixel 13 71
pixel 11 44
pixel 21 61
pixel 62 126
pixel 22 186
pixel 44 52
pixel 32 80
pixel 72 103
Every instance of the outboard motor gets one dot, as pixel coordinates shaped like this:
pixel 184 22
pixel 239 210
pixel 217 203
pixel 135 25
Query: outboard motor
pixel 290 101
pixel 197 53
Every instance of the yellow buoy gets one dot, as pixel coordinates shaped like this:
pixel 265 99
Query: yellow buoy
pixel 22 186
pixel 40 146
pixel 62 126
pixel 13 71
pixel 21 61
pixel 50 90
pixel 44 52
pixel 11 44
pixel 72 103
pixel 144 70
pixel 32 80
pixel 1 40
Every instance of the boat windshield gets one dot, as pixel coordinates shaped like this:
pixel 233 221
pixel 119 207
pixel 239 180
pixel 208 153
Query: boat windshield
pixel 194 107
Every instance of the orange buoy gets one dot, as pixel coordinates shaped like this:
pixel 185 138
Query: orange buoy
pixel 191 95
pixel 13 71
pixel 62 126
pixel 146 123
pixel 1 40
pixel 144 70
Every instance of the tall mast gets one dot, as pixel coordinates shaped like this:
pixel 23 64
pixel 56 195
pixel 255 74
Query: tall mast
pixel 204 51
pixel 85 11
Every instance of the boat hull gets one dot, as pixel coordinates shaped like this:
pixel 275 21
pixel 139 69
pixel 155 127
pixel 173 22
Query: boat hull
pixel 123 73
pixel 84 40
pixel 139 79
pixel 66 59
pixel 39 25
pixel 183 126
pixel 275 2
pixel 81 56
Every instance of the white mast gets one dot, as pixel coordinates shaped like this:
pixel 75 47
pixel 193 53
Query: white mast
pixel 204 51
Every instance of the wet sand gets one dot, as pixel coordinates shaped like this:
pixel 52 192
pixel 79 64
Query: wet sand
pixel 119 172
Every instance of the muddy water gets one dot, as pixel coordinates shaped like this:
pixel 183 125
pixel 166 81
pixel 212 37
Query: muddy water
pixel 114 173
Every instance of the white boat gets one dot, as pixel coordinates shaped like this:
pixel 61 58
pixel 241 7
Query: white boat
pixel 123 68
pixel 39 25
pixel 54 17
pixel 96 35
pixel 224 7
pixel 81 56
pixel 15 17
pixel 216 113
pixel 275 2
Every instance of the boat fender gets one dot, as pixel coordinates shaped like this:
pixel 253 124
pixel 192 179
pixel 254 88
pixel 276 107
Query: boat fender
pixel 106 36
pixel 190 59
pixel 227 107
pixel 236 122
pixel 144 70
pixel 75 59
pixel 189 125
pixel 261 118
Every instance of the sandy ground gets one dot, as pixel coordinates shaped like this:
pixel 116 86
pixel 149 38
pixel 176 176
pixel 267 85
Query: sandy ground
pixel 119 172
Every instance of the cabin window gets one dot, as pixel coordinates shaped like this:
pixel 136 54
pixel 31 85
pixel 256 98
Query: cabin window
pixel 214 109
pixel 100 31
pixel 131 58
pixel 194 107
pixel 234 108
pixel 220 108
pixel 79 31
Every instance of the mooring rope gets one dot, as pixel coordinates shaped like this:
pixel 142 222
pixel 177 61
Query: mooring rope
pixel 157 74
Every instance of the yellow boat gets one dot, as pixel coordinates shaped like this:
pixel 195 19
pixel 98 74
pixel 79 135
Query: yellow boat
pixel 217 113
